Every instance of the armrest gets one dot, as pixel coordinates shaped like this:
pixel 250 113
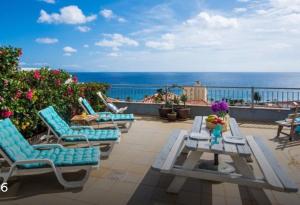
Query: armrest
pixel 79 137
pixel 81 127
pixel 47 146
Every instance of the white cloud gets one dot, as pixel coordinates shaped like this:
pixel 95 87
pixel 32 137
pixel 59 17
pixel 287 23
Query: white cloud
pixel 243 1
pixel 166 42
pixel 86 46
pixel 116 41
pixel 67 54
pixel 113 54
pixel 68 50
pixel 68 15
pixel 83 28
pixel 240 10
pixel 291 5
pixel 212 21
pixel 121 19
pixel 109 15
pixel 46 40
pixel 49 1
pixel 106 13
pixel 281 46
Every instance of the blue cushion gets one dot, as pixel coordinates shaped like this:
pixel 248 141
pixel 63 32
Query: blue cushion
pixel 94 135
pixel 104 116
pixel 17 148
pixel 88 107
pixel 60 127
pixel 298 129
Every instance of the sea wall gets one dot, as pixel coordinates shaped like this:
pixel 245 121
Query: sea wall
pixel 240 113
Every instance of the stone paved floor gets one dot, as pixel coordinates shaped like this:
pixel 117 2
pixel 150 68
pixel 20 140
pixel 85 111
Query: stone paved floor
pixel 126 178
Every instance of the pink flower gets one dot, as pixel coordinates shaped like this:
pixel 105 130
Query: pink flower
pixel 18 94
pixel 55 72
pixel 75 79
pixel 57 82
pixel 36 74
pixel 6 113
pixel 29 94
pixel 70 91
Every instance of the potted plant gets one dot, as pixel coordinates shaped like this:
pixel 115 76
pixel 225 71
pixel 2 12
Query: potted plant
pixel 172 116
pixel 183 112
pixel 165 108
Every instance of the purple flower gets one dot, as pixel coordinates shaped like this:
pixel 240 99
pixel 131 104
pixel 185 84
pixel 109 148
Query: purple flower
pixel 220 107
pixel 215 107
pixel 223 106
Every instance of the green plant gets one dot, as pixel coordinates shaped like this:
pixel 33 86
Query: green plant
pixel 256 97
pixel 169 104
pixel 176 100
pixel 184 99
pixel 24 93
pixel 128 99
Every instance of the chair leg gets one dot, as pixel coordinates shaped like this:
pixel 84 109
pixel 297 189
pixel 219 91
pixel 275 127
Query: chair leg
pixel 72 184
pixel 292 133
pixel 105 154
pixel 280 127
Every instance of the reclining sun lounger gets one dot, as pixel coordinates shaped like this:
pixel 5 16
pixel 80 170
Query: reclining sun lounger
pixel 124 120
pixel 78 134
pixel 111 106
pixel 26 159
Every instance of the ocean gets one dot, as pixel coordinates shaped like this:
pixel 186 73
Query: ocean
pixel 282 80
pixel 136 85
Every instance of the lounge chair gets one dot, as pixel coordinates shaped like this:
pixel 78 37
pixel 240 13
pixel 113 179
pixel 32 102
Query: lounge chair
pixel 78 134
pixel 25 159
pixel 111 106
pixel 292 123
pixel 124 121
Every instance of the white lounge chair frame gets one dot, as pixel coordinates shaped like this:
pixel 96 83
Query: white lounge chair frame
pixel 60 139
pixel 119 111
pixel 14 170
pixel 123 125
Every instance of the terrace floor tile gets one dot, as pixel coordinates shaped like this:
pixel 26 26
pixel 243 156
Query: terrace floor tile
pixel 126 176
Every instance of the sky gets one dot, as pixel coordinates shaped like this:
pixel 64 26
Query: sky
pixel 154 36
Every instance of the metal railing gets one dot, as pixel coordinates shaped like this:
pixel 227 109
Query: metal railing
pixel 235 96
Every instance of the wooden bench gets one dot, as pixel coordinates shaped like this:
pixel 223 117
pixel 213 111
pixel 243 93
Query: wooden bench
pixel 168 155
pixel 274 175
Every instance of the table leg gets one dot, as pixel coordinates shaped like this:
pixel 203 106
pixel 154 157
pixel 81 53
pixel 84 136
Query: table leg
pixel 280 127
pixel 189 164
pixel 246 171
pixel 216 159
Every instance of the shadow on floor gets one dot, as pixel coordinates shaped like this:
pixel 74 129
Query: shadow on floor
pixel 152 190
pixel 27 186
pixel 284 142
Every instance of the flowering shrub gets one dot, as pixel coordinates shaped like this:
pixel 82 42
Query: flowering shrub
pixel 220 108
pixel 24 93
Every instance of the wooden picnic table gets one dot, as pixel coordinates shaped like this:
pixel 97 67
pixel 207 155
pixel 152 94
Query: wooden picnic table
pixel 180 142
